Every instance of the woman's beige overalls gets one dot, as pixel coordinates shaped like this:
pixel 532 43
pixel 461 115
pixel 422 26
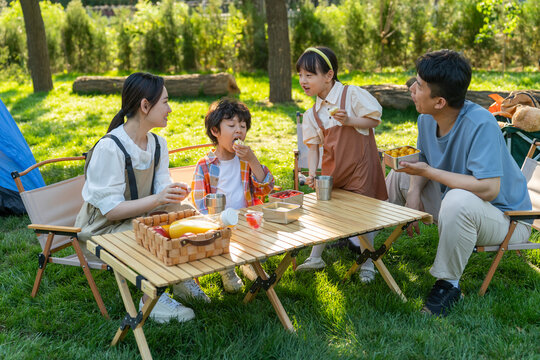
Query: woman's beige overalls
pixel 352 159
pixel 139 184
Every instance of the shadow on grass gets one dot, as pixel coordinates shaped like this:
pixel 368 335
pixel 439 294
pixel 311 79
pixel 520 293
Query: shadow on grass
pixel 28 108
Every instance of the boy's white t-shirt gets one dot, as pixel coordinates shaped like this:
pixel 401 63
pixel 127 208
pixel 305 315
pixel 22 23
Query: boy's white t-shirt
pixel 230 183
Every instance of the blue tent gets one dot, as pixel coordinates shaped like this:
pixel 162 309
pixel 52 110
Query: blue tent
pixel 15 155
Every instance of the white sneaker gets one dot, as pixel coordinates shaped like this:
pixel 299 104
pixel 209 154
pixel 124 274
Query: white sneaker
pixel 231 282
pixel 249 272
pixel 311 263
pixel 189 289
pixel 367 273
pixel 167 309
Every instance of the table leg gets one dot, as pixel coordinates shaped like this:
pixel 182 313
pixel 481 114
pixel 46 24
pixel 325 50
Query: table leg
pixel 132 312
pixel 270 292
pixel 283 265
pixel 274 300
pixel 382 268
pixel 380 265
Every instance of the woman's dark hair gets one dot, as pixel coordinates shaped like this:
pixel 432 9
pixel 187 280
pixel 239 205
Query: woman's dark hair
pixel 225 109
pixel 311 61
pixel 137 86
pixel 448 75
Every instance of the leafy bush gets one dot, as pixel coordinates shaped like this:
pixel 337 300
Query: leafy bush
pixel 84 46
pixel 54 18
pixel 308 30
pixel 12 37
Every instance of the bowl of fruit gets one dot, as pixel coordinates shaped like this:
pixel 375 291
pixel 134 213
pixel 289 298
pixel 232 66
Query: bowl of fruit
pixel 394 156
pixel 287 196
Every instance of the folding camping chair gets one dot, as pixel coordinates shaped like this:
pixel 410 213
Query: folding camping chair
pixel 52 210
pixel 519 141
pixel 185 173
pixel 531 170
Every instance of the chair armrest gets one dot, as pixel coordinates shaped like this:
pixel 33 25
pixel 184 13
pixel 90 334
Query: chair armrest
pixel 523 215
pixel 56 229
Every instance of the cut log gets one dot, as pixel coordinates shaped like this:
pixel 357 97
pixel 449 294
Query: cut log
pixel 399 97
pixel 177 85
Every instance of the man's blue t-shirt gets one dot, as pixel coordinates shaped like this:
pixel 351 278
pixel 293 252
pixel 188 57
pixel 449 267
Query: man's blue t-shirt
pixel 475 146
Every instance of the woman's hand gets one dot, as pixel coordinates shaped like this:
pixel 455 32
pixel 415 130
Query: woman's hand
pixel 173 193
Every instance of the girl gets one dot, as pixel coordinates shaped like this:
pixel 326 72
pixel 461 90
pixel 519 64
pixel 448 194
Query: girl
pixel 127 174
pixel 342 121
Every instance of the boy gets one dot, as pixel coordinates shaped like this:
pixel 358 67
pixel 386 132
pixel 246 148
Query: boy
pixel 231 169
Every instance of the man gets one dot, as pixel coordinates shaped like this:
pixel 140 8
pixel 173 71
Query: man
pixel 466 178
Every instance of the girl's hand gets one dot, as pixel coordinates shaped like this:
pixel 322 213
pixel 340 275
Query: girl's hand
pixel 244 152
pixel 310 181
pixel 341 116
pixel 173 193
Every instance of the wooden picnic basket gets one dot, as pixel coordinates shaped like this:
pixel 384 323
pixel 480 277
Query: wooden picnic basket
pixel 182 249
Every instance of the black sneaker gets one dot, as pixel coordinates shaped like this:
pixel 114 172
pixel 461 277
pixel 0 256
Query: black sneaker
pixel 441 298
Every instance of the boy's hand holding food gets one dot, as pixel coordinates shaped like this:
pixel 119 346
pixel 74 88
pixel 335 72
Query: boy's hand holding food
pixel 243 151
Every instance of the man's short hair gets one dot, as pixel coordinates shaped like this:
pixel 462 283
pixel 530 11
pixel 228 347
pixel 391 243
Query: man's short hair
pixel 225 109
pixel 447 73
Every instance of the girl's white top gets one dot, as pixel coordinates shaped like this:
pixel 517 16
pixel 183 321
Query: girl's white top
pixel 230 183
pixel 105 177
pixel 359 103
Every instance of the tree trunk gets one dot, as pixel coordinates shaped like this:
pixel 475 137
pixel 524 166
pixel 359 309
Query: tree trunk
pixel 38 56
pixel 279 51
pixel 177 85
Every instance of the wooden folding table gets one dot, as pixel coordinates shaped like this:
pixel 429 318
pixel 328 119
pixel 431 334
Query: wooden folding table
pixel 347 214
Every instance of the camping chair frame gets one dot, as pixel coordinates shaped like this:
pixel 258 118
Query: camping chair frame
pixel 515 216
pixel 50 248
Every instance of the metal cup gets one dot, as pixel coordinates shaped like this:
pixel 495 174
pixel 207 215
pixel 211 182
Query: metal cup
pixel 323 187
pixel 215 203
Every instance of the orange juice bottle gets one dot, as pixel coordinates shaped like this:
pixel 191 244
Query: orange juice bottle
pixel 203 223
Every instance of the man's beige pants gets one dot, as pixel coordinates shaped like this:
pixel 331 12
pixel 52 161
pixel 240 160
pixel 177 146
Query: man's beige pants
pixel 464 221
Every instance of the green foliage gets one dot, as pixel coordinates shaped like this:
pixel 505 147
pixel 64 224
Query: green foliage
pixel 12 36
pixel 85 45
pixel 308 30
pixel 53 17
pixel 188 46
pixel 253 50
pixel 170 36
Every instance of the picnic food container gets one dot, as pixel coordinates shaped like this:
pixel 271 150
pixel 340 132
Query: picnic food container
pixel 393 156
pixel 188 247
pixel 287 196
pixel 254 219
pixel 282 213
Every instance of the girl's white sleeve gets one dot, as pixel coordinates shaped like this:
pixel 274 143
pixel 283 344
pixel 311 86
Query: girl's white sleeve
pixel 162 178
pixel 105 177
pixel 311 133
pixel 363 104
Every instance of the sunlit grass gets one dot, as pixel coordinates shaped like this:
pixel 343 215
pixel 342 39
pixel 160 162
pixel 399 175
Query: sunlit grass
pixel 333 320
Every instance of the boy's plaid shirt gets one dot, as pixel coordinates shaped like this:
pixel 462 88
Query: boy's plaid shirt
pixel 206 176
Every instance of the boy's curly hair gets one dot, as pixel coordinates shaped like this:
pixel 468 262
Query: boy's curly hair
pixel 225 108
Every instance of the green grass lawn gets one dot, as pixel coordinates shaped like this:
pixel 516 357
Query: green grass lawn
pixel 332 320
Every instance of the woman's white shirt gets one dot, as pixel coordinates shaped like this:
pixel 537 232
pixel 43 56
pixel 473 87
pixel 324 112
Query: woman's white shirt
pixel 105 176
pixel 359 103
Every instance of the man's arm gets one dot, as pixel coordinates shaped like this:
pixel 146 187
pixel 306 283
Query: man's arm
pixel 485 189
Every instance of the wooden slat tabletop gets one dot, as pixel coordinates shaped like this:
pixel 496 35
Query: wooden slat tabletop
pixel 346 214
